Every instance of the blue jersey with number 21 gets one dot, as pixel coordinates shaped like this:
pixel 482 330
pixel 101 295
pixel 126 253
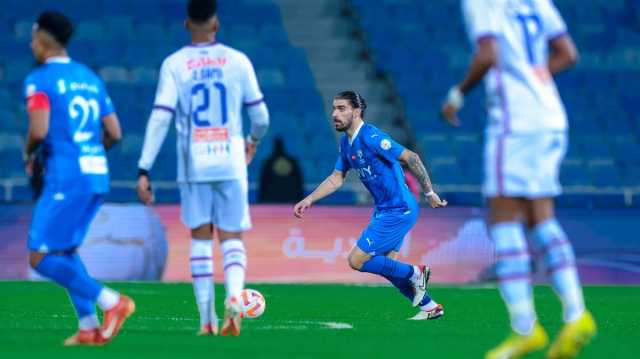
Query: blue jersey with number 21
pixel 75 156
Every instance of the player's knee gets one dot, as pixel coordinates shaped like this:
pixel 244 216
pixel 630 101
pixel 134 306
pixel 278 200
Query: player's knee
pixel 202 232
pixel 355 262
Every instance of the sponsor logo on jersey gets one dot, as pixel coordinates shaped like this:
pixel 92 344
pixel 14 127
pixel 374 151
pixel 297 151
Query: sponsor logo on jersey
pixel 205 61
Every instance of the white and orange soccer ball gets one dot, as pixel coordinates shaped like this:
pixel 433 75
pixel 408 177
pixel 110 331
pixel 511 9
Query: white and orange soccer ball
pixel 253 304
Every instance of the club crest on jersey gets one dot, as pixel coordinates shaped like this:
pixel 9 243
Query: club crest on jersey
pixel 360 157
pixel 385 144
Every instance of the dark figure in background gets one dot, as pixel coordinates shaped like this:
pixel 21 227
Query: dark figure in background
pixel 280 178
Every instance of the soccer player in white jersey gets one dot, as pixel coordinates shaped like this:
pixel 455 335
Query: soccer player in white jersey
pixel 204 86
pixel 519 46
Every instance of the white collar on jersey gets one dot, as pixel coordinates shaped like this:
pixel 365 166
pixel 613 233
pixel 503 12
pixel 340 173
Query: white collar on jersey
pixel 58 60
pixel 355 134
pixel 203 44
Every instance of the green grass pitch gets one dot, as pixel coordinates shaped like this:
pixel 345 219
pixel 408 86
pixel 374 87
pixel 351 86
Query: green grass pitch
pixel 305 321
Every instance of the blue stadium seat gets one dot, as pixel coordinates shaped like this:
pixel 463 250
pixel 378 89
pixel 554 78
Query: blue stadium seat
pixel 604 174
pixel 574 174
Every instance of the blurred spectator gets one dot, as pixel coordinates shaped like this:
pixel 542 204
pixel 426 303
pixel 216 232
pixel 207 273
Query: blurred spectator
pixel 280 178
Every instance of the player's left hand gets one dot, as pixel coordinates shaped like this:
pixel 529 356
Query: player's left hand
pixel 249 150
pixel 435 201
pixel 450 114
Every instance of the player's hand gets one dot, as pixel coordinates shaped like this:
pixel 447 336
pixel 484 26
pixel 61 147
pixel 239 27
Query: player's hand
pixel 301 207
pixel 250 151
pixel 435 201
pixel 143 187
pixel 450 114
pixel 29 162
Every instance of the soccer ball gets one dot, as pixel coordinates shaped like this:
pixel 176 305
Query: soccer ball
pixel 253 303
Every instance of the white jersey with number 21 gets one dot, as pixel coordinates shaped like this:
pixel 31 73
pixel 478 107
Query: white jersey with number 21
pixel 206 86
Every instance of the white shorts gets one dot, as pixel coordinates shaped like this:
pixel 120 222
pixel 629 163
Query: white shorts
pixel 222 203
pixel 523 164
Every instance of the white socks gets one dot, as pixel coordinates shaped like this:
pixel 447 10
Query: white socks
pixel 107 298
pixel 513 270
pixel 429 306
pixel 235 263
pixel 89 322
pixel 560 262
pixel 416 274
pixel 201 261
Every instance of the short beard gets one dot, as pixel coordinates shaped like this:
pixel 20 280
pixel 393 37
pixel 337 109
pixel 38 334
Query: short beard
pixel 346 126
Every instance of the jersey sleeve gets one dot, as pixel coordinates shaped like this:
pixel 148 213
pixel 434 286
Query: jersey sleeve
pixel 167 92
pixel 342 164
pixel 554 25
pixel 106 105
pixel 480 19
pixel 251 94
pixel 35 94
pixel 384 146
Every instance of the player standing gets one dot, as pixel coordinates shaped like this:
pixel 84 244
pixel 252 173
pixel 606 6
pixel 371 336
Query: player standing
pixel 377 159
pixel 519 45
pixel 205 86
pixel 68 109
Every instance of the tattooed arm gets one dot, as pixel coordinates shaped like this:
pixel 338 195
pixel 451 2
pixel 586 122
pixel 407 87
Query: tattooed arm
pixel 417 168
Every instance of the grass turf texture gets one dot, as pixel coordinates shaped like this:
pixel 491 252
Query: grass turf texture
pixel 35 317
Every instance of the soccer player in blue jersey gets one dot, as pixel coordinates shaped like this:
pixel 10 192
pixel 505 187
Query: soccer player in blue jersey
pixel 377 159
pixel 72 119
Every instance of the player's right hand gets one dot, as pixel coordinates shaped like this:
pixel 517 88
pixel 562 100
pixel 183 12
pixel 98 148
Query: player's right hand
pixel 143 187
pixel 301 207
pixel 29 164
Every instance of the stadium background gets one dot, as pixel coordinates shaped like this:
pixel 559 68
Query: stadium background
pixel 401 56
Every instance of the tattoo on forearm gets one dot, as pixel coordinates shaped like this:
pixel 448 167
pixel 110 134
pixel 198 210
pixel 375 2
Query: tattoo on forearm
pixel 417 168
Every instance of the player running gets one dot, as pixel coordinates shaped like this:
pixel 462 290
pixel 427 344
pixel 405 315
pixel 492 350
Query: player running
pixel 68 109
pixel 204 86
pixel 377 159
pixel 519 45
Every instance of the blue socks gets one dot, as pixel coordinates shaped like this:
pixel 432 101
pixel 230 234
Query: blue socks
pixel 387 267
pixel 84 307
pixel 68 271
pixel 396 272
pixel 405 287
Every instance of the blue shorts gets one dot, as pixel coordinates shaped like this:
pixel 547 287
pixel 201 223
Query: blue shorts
pixel 386 231
pixel 61 219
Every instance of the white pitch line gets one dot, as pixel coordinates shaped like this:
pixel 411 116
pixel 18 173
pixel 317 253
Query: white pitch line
pixel 337 325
